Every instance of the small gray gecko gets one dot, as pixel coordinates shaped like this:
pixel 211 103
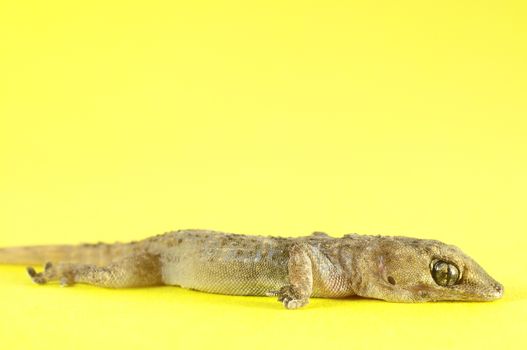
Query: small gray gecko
pixel 397 269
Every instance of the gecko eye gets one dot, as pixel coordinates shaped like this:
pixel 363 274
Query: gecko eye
pixel 444 273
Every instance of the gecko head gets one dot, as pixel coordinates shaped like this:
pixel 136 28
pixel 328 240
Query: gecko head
pixel 412 270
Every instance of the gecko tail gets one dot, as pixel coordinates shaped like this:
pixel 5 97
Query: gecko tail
pixel 97 254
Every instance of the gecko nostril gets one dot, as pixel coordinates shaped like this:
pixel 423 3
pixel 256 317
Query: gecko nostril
pixel 499 288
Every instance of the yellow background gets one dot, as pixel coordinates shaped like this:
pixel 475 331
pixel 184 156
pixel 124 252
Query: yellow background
pixel 120 120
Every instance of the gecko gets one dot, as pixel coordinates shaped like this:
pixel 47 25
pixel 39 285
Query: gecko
pixel 294 269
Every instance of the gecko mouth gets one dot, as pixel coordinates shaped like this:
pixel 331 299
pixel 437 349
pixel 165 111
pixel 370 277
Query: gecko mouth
pixel 492 292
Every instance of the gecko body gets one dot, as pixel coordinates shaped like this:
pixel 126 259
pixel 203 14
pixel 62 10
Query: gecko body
pixel 392 268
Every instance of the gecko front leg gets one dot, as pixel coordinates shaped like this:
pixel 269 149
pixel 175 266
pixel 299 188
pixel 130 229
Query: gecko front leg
pixel 300 273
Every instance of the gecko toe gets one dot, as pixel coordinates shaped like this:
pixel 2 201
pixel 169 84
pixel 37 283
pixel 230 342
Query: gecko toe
pixel 288 297
pixel 65 281
pixel 294 303
pixel 31 271
pixel 272 293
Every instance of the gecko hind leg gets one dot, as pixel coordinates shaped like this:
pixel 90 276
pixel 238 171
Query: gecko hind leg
pixel 138 270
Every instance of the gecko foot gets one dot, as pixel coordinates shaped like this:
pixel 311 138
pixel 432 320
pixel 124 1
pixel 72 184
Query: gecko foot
pixel 50 273
pixel 37 277
pixel 289 297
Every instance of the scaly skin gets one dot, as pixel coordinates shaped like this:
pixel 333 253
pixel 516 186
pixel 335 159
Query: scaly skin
pixel 397 269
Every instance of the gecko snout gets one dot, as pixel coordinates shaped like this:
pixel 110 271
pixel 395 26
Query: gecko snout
pixel 493 291
pixel 499 290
